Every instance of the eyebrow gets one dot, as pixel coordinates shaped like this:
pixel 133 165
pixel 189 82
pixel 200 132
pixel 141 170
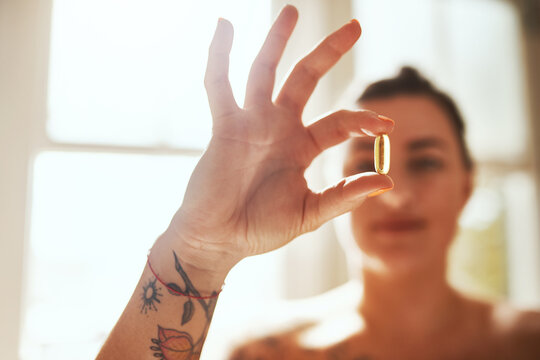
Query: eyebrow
pixel 424 143
pixel 363 144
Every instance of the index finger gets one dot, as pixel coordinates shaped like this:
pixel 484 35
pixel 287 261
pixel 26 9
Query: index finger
pixel 341 125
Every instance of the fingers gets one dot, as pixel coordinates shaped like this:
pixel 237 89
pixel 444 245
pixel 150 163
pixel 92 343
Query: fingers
pixel 263 71
pixel 342 197
pixel 216 80
pixel 304 77
pixel 341 125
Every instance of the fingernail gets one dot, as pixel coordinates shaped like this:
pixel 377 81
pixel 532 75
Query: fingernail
pixel 378 192
pixel 387 119
pixel 222 21
pixel 219 23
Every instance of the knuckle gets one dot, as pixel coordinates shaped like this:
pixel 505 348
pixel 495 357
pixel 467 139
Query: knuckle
pixel 263 68
pixel 341 129
pixel 316 142
pixel 215 81
pixel 342 113
pixel 288 102
pixel 304 70
pixel 279 38
pixel 333 51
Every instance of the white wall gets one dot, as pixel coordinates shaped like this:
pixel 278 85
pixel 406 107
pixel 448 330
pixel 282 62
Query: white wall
pixel 23 48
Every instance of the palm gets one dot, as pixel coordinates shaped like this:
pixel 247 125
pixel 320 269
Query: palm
pixel 248 192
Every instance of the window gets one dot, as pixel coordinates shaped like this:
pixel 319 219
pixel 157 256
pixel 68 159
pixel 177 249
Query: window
pixel 129 73
pixel 127 122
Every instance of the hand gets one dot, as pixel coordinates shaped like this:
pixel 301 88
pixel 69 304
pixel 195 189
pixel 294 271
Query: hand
pixel 248 194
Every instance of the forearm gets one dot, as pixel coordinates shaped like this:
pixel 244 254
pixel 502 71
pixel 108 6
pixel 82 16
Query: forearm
pixel 165 321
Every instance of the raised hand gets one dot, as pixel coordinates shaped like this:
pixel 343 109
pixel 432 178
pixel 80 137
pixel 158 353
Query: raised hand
pixel 248 194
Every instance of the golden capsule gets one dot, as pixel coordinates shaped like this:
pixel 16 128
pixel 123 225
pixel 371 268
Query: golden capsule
pixel 382 154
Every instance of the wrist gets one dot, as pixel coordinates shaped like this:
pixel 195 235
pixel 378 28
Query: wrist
pixel 206 270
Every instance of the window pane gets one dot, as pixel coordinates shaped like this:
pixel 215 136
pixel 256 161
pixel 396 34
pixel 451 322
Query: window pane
pixel 94 217
pixel 131 72
pixel 484 56
pixel 470 48
pixel 496 251
pixel 478 257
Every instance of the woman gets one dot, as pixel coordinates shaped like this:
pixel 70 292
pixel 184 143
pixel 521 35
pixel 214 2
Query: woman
pixel 404 308
pixel 248 196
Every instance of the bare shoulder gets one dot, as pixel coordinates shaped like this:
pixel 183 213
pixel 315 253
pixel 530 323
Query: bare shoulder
pixel 504 318
pixel 281 339
pixel 275 346
pixel 519 329
pixel 516 321
pixel 528 322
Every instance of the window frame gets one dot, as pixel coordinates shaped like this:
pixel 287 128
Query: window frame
pixel 25 38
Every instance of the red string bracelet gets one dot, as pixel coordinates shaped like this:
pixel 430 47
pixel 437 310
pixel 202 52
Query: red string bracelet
pixel 176 291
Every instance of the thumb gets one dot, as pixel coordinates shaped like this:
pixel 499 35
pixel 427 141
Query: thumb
pixel 344 196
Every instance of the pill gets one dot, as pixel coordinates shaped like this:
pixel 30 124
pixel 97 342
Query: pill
pixel 382 154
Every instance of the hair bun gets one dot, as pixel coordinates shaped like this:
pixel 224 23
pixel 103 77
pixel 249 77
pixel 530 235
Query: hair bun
pixel 409 72
pixel 411 75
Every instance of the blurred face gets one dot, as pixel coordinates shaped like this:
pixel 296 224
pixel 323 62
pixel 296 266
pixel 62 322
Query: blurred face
pixel 410 227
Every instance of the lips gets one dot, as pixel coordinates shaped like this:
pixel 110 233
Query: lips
pixel 399 225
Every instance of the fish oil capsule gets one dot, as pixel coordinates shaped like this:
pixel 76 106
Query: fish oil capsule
pixel 382 154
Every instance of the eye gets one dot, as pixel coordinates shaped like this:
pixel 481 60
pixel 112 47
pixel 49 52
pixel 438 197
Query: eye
pixel 425 164
pixel 364 166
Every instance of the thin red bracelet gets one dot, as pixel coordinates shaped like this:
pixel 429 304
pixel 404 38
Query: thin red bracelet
pixel 176 291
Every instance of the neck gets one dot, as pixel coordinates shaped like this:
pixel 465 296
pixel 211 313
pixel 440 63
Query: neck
pixel 419 303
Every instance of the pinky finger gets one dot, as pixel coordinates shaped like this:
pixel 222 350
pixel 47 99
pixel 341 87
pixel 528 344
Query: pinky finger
pixel 216 80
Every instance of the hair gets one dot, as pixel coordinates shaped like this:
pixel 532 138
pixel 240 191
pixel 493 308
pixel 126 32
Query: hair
pixel 410 82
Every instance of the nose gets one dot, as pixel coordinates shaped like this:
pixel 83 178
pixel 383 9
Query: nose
pixel 401 197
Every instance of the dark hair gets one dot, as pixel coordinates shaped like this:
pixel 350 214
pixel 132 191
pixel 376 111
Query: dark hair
pixel 410 82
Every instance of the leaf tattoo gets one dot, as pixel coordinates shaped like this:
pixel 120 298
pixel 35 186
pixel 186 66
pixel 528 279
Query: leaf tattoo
pixel 188 311
pixel 177 289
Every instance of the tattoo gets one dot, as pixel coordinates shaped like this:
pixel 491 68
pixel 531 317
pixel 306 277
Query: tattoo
pixel 207 305
pixel 172 344
pixel 150 296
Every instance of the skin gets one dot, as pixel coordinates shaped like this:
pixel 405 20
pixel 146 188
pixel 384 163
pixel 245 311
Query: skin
pixel 405 306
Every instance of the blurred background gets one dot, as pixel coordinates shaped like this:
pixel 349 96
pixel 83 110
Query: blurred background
pixel 103 116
